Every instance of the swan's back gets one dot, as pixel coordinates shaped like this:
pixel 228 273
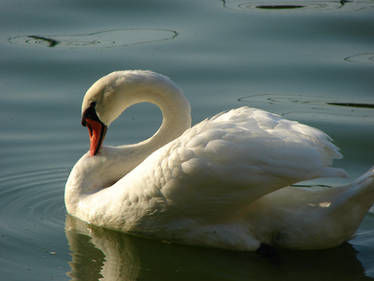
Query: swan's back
pixel 226 162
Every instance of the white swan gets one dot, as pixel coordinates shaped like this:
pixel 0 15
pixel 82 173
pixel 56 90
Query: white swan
pixel 222 183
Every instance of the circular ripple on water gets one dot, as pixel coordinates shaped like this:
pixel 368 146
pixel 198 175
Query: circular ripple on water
pixel 102 39
pixel 299 106
pixel 303 5
pixel 364 58
pixel 32 201
pixel 32 220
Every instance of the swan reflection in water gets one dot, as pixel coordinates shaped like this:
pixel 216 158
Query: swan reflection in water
pixel 102 254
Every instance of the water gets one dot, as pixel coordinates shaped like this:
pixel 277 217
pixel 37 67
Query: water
pixel 311 61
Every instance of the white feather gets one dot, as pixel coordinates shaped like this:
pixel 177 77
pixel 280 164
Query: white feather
pixel 222 183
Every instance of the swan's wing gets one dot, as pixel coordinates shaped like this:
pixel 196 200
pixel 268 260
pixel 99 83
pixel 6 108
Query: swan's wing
pixel 236 157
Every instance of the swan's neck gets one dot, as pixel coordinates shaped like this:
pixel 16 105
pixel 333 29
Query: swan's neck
pixel 175 120
pixel 91 174
pixel 119 90
pixel 175 109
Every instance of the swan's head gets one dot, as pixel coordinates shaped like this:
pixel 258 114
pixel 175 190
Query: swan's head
pixel 109 96
pixel 103 102
pixel 99 107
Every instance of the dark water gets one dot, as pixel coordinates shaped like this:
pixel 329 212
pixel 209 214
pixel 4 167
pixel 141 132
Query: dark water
pixel 311 61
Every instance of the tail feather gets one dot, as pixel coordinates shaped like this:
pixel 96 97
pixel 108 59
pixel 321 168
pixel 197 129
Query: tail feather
pixel 361 191
pixel 333 172
pixel 366 179
pixel 353 204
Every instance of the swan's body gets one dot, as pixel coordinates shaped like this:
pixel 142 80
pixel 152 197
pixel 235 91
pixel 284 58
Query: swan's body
pixel 222 183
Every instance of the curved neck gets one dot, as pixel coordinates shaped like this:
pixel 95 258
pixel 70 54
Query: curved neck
pixel 114 93
pixel 175 109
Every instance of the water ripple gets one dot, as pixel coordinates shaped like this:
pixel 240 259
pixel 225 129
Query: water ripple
pixel 32 201
pixel 101 39
pixel 303 5
pixel 364 58
pixel 299 106
pixel 32 218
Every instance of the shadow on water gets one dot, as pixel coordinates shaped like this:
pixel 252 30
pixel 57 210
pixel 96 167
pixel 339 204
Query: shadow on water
pixel 108 255
pixel 101 39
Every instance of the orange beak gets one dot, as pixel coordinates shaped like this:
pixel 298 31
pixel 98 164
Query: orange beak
pixel 96 128
pixel 97 131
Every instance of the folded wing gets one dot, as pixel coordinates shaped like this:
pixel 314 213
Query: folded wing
pixel 234 158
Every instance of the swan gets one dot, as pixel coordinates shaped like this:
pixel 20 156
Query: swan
pixel 224 183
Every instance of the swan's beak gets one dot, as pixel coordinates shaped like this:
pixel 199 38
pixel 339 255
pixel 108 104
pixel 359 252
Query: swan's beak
pixel 96 129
